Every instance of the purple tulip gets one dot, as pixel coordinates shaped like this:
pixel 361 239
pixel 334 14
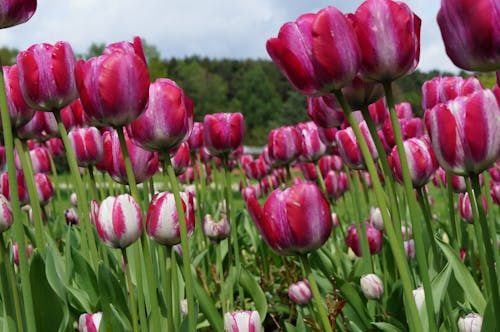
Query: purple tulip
pixel 312 146
pixel 19 112
pixel 375 239
pixel 284 145
pixel 42 126
pixel 336 184
pixel 73 116
pixel 87 144
pixel 223 133
pixel 195 140
pixel 325 111
pixel 181 159
pixel 14 12
pixel 465 207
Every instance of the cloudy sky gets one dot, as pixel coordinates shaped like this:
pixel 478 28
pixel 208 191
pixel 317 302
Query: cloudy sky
pixel 178 28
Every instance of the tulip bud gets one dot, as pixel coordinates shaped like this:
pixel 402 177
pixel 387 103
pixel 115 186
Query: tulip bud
pixel 89 322
pixel 466 208
pixel 325 111
pixel 21 187
pixel 349 146
pixel 372 286
pixel 73 198
pixel 216 231
pixel 19 112
pixel 419 296
pixel 495 192
pixel 6 217
pixel 312 146
pixel 300 292
pixel 409 247
pixel 374 236
pixel 42 126
pixel 71 216
pixel 470 323
pixel 15 252
pixel 376 218
pixel 195 140
pixel 442 89
pixel 284 145
pixel 44 188
pixel 87 144
pixel 223 133
pixel 336 184
pixel 119 221
pixel 240 320
pixel 184 307
pixel 335 219
pixel 181 159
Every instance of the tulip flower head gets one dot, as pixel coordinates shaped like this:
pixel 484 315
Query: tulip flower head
pixel 216 231
pixel 19 112
pixel 300 292
pixel 14 12
pixel 89 322
pixel 375 240
pixel 372 286
pixel 470 323
pixel 87 144
pixel 284 145
pixel 6 217
pixel 223 133
pixel 242 321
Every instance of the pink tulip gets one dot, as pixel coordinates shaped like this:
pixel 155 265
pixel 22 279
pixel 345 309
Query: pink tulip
pixel 465 207
pixel 441 89
pixel 181 159
pixel 195 140
pixel 42 126
pixel 327 136
pixel 6 217
pixel 89 322
pixel 471 34
pixel 360 93
pixel 312 146
pixel 46 76
pixel 375 239
pixel 300 292
pixel 294 221
pixel 223 133
pixel 71 216
pixel 253 190
pixel 371 286
pixel 162 221
pixel 40 160
pixel 119 221
pixel 325 111
pixel 308 171
pixel 15 252
pixel 284 145
pixel 336 184
pixel 388 33
pixel 330 163
pixel 465 132
pixel 495 192
pixel 114 87
pixel 135 47
pixel 21 187
pixel 167 120
pixel 19 112
pixel 256 169
pixel 422 163
pixel 73 116
pixel 14 12
pixel 349 147
pixel 216 231
pixel 55 147
pixel 87 143
pixel 379 112
pixel 242 321
pixel 44 188
pixel 144 163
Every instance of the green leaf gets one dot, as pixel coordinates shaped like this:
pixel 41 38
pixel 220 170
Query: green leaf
pixel 251 287
pixel 111 294
pixel 464 278
pixel 46 303
pixel 354 300
pixel 84 276
pixel 386 327
pixel 56 275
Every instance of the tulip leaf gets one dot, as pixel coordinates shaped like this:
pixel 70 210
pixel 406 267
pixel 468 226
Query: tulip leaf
pixel 46 303
pixel 489 319
pixel 84 276
pixel 54 269
pixel 322 262
pixel 112 296
pixel 386 327
pixel 464 278
pixel 354 301
pixel 252 288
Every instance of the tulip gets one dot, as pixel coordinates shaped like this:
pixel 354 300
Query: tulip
pixel 457 181
pixel 284 145
pixel 119 221
pixel 465 132
pixel 312 146
pixel 253 190
pixel 216 231
pixel 256 169
pixel 113 87
pixel 335 219
pixel 325 111
pixel 494 172
pixel 412 127
pixel 422 163
pixel 55 147
pixel 167 120
pixel 388 33
pixel 374 239
pixel 471 33
pixel 87 143
pixel 330 163
pixel 406 232
pixel 6 217
pixel 144 163
pixel 223 133
pixel 21 187
pixel 495 192
pixel 441 89
pixel 135 47
pixel 360 93
pixel 409 247
pixel 181 159
pixel 44 188
pixel 89 322
pixel 46 76
pixel 71 216
pixel 419 296
pixel 40 160
pixel 470 323
pixel 162 223
pixel 336 184
pixel 376 218
pixel 349 147
pixel 308 171
pixel 15 252
pixel 300 292
pixel 42 126
pixel 19 112
pixel 14 12
pixel 327 136
pixel 73 116
pixel 242 321
pixel 466 208
pixel 195 140
pixel 293 221
pixel 371 286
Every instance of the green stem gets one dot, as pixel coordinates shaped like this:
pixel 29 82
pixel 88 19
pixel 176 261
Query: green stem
pixel 168 289
pixel 396 246
pixel 426 211
pixel 33 194
pixel 131 292
pixel 17 227
pixel 420 249
pixel 9 290
pixel 175 289
pixel 186 256
pixel 321 180
pixel 455 223
pixel 320 305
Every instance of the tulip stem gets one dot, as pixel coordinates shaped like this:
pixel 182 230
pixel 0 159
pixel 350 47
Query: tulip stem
pixel 321 180
pixel 490 243
pixel 423 200
pixel 420 249
pixel 9 289
pixel 186 256
pixel 455 223
pixel 17 226
pixel 131 291
pixel 320 305
pixel 396 246
pixel 168 288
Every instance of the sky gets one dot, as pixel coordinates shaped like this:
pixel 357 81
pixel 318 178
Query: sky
pixel 236 29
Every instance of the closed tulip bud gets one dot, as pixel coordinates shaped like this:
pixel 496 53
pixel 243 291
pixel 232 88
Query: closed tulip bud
pixel 379 112
pixel 284 145
pixel 312 146
pixel 464 132
pixel 327 136
pixel 256 169
pixel 494 173
pixel 360 93
pixel 409 247
pixel 349 146
pixel 406 232
pixel 19 112
pixel 167 121
pixel 254 191
pixel 335 219
pixel 6 217
pixel 195 140
pixel 330 163
pixel 374 236
pixel 73 116
pixel 40 160
pixel 184 307
pixel 325 111
pixel 89 322
pixel 87 144
pixel 46 76
pixel 376 218
pixel 181 159
pixel 495 192
pixel 419 296
pixel 55 147
pixel 336 184
pixel 15 252
pixel 71 216
pixel 470 33
pixel 388 33
pixel 372 286
pixel 134 47
pixel 308 171
pixel 223 133
pixel 470 323
pixel 240 321
pixel 162 221
pixel 113 87
pixel 216 231
pixel 21 187
pixel 441 89
pixel 144 163
pixel 300 292
pixel 42 126
pixel 413 127
pixel 44 188
pixel 422 163
pixel 294 221
pixel 457 181
pixel 466 208
pixel 14 12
